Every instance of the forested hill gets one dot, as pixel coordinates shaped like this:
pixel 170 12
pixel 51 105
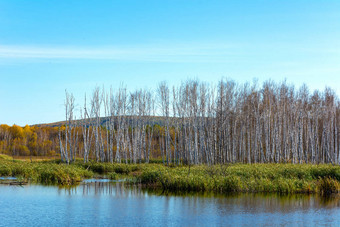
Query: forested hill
pixel 149 120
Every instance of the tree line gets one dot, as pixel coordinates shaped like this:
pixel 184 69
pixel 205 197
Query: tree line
pixel 28 140
pixel 204 124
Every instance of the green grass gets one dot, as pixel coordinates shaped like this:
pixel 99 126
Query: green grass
pixel 44 172
pixel 279 178
pixel 5 157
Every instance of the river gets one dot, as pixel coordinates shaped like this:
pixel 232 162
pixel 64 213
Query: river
pixel 103 203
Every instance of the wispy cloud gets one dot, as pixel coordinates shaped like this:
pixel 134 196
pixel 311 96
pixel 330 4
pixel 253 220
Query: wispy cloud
pixel 185 52
pixel 143 53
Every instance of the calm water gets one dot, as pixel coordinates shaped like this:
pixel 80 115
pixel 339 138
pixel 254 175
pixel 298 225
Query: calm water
pixel 113 204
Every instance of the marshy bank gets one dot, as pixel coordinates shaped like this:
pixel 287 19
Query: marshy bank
pixel 277 178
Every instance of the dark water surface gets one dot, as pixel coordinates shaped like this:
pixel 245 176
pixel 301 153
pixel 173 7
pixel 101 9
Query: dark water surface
pixel 114 204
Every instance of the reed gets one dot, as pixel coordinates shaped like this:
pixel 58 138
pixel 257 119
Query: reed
pixel 44 172
pixel 279 178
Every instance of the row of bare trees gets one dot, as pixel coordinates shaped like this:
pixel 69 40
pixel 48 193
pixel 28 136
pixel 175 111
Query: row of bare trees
pixel 201 123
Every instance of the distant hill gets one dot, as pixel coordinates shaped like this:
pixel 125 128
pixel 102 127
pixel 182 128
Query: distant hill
pixel 151 120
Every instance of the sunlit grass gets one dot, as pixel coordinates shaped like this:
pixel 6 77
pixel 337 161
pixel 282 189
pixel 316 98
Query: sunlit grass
pixel 5 157
pixel 44 172
pixel 279 178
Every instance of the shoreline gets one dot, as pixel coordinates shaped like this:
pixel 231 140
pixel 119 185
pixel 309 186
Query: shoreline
pixel 241 178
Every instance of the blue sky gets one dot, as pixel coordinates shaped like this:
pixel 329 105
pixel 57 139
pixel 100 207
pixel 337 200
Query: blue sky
pixel 49 46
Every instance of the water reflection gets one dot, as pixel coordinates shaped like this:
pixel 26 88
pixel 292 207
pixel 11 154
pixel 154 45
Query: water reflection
pixel 252 202
pixel 119 204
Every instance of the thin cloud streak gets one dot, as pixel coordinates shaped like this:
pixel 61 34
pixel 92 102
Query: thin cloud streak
pixel 181 52
pixel 193 52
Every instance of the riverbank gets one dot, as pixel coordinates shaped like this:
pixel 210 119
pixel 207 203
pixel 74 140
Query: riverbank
pixel 279 178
